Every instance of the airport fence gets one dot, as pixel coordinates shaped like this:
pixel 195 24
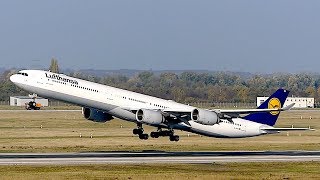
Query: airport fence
pixel 197 104
pixel 58 103
pixel 50 103
pixel 4 103
pixel 218 105
pixel 209 105
pixel 317 105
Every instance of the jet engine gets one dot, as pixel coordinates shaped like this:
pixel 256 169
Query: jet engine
pixel 205 117
pixel 149 116
pixel 96 115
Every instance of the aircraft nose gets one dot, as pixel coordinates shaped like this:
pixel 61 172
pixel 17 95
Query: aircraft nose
pixel 13 78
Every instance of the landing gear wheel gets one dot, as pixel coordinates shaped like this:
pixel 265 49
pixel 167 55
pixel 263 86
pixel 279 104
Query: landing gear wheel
pixel 144 136
pixel 154 134
pixel 137 131
pixel 165 133
pixel 174 138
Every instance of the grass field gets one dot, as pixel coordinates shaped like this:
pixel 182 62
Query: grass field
pixel 66 107
pixel 41 131
pixel 60 132
pixel 294 170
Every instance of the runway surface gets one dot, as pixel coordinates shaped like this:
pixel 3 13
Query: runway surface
pixel 155 157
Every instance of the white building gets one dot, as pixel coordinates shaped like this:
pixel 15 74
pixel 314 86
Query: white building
pixel 22 100
pixel 300 102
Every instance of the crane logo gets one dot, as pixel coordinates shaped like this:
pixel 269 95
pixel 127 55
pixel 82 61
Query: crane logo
pixel 274 103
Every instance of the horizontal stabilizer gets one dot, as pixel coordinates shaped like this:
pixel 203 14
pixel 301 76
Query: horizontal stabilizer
pixel 288 129
pixel 288 107
pixel 247 111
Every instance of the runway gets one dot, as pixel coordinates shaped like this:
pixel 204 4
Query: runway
pixel 155 157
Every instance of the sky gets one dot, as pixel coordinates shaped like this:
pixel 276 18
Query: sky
pixel 226 35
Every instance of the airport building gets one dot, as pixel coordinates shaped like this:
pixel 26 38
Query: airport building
pixel 22 100
pixel 300 102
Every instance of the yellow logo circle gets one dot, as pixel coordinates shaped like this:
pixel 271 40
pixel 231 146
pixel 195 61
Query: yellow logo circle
pixel 274 103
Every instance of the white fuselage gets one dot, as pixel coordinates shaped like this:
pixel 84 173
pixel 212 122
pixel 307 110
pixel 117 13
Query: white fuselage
pixel 118 102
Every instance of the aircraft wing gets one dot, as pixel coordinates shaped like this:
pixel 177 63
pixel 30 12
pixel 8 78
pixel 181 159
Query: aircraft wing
pixel 182 115
pixel 179 114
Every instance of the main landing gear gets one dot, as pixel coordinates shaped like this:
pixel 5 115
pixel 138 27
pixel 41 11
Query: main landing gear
pixel 161 132
pixel 156 134
pixel 139 131
pixel 169 133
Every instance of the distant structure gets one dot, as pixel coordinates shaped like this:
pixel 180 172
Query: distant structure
pixel 22 100
pixel 54 67
pixel 300 102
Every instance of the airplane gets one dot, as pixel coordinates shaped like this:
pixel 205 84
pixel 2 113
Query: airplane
pixel 103 103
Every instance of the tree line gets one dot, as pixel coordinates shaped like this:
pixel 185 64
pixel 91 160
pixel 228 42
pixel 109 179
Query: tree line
pixel 192 87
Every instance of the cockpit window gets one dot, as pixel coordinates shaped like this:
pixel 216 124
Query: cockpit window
pixel 24 74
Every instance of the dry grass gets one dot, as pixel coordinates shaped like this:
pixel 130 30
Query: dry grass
pixel 66 107
pixel 294 170
pixel 22 132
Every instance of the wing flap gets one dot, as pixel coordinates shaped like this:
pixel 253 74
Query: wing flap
pixel 181 116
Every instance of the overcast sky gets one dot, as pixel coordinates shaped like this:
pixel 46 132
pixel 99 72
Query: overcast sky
pixel 251 36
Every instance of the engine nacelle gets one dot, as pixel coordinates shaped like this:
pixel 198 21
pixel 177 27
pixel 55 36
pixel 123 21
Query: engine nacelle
pixel 149 116
pixel 96 115
pixel 205 117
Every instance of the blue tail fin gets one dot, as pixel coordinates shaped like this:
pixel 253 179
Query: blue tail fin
pixel 276 100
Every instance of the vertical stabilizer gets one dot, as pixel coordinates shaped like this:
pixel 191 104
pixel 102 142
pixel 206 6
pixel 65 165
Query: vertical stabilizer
pixel 276 100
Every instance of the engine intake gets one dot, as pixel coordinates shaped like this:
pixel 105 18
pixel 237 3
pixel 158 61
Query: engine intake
pixel 96 115
pixel 149 116
pixel 205 117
